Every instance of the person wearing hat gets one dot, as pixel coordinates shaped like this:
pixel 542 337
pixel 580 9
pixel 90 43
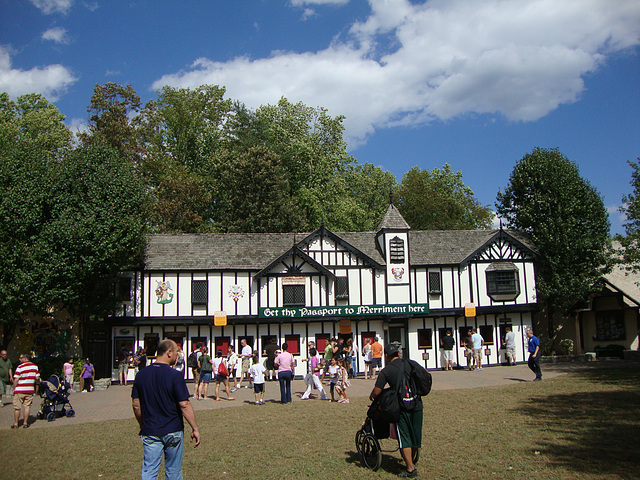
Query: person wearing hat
pixel 409 426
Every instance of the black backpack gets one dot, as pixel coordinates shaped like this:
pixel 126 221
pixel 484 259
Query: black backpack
pixel 414 382
pixel 192 361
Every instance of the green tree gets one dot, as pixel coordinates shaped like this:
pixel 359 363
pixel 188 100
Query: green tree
pixel 631 208
pixel 31 121
pixel 33 140
pixel 253 194
pixel 95 230
pixel 566 220
pixel 112 110
pixel 186 125
pixel 439 200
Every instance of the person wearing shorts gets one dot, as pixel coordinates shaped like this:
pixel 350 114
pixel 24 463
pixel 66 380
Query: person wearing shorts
pixel 409 426
pixel 246 353
pixel 24 386
pixel 447 343
pixel 257 372
pixel 376 356
pixel 221 378
pixel 478 342
pixel 510 345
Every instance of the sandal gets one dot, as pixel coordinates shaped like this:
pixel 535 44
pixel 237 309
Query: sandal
pixel 14 426
pixel 26 425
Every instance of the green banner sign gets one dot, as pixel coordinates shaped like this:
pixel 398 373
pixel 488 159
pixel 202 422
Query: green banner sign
pixel 345 311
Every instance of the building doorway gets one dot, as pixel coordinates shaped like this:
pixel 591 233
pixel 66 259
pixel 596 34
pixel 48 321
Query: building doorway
pixel 398 334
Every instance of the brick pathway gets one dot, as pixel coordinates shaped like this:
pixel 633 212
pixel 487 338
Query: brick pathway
pixel 115 402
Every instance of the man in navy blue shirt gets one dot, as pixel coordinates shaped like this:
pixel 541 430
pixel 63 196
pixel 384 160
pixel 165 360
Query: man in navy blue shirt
pixel 533 345
pixel 160 400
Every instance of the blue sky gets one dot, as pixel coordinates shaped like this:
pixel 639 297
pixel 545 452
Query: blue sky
pixel 476 84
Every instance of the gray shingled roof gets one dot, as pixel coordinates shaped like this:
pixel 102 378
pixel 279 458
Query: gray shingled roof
pixel 393 219
pixel 254 251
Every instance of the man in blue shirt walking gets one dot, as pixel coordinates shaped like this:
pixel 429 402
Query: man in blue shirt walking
pixel 534 354
pixel 160 401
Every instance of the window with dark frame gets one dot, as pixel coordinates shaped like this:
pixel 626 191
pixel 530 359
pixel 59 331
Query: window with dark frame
pixel 293 342
pixel 425 338
pixel 486 331
pixel 221 343
pixel 123 289
pixel 249 339
pixel 503 282
pixel 199 292
pixel 342 288
pixel 504 323
pixel 435 283
pixel 396 250
pixel 293 296
pixel 321 342
pixel 610 326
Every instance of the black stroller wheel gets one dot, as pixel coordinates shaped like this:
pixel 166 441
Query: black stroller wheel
pixel 70 413
pixel 371 453
pixel 359 436
pixel 51 416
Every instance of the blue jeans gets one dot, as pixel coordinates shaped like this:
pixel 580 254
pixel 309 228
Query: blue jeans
pixel 285 386
pixel 171 445
pixel 354 366
pixel 534 365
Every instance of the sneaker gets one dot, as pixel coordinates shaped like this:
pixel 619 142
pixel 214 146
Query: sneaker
pixel 261 402
pixel 233 390
pixel 246 386
pixel 479 368
pixel 238 386
pixel 412 474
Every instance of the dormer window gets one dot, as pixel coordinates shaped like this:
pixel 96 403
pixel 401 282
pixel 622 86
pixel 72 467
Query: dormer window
pixel 396 250
pixel 503 281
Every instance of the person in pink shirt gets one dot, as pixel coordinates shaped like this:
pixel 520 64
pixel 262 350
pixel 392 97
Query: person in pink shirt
pixel 67 372
pixel 285 363
pixel 313 375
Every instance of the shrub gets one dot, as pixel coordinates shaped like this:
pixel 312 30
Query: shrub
pixel 566 346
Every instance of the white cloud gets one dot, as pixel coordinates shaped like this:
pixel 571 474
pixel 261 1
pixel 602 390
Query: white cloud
pixel 53 6
pixel 57 35
pixel 50 81
pixel 413 63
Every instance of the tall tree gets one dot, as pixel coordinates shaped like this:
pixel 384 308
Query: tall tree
pixel 186 125
pixel 253 194
pixel 33 141
pixel 631 208
pixel 111 119
pixel 567 221
pixel 439 200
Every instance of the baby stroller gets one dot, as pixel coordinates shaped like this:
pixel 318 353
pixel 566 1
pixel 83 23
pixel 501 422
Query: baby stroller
pixel 375 428
pixel 55 395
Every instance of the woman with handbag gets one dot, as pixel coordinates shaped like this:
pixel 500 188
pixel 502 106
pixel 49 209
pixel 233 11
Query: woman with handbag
pixel 222 375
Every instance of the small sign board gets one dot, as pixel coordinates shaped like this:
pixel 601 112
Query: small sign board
pixel 469 309
pixel 220 318
pixel 345 326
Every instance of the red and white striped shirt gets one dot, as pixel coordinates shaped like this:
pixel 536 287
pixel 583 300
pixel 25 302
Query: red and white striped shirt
pixel 26 375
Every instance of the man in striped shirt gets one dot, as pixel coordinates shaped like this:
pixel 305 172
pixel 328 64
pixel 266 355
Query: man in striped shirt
pixel 24 386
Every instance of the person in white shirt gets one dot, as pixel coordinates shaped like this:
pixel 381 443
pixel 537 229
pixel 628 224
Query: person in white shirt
pixel 257 372
pixel 245 355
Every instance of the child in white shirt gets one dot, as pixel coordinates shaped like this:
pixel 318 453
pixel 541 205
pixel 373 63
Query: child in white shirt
pixel 257 372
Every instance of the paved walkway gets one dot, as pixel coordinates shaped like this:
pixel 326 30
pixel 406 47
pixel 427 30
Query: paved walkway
pixel 115 402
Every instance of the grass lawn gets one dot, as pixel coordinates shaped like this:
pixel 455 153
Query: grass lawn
pixel 584 425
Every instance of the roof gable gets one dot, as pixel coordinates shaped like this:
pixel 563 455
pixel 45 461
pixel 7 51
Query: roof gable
pixel 296 259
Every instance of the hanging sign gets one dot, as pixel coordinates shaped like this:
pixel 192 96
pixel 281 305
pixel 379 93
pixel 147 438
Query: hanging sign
pixel 220 318
pixel 345 326
pixel 470 310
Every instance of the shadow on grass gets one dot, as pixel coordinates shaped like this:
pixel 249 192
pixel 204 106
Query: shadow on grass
pixel 390 463
pixel 591 431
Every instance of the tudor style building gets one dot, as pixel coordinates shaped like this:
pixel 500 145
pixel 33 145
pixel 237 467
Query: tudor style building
pixel 399 285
